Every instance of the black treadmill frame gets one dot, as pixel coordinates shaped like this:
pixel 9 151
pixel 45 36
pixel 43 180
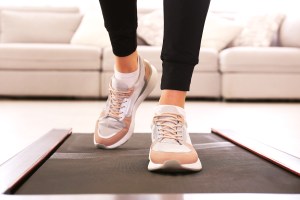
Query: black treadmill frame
pixel 18 168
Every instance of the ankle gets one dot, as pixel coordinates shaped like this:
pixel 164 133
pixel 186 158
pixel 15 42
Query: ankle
pixel 173 97
pixel 127 64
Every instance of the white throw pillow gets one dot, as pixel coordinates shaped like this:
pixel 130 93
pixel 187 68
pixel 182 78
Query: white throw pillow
pixel 91 31
pixel 151 28
pixel 37 27
pixel 259 30
pixel 217 34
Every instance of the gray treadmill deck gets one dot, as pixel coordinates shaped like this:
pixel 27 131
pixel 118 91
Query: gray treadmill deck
pixel 77 167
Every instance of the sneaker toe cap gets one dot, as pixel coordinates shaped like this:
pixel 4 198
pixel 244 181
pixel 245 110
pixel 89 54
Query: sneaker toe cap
pixel 107 134
pixel 185 157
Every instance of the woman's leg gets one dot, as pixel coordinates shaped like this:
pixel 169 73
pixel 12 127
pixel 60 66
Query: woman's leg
pixel 133 78
pixel 120 18
pixel 183 26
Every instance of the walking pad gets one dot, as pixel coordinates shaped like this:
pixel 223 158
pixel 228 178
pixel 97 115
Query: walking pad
pixel 66 165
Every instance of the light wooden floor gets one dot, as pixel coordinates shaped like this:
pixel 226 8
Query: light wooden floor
pixel 276 124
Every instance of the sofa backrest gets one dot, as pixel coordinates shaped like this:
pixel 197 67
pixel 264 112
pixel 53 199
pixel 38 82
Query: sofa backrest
pixel 289 32
pixel 14 16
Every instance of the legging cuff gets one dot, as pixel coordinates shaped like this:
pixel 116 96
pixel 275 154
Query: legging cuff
pixel 176 76
pixel 123 43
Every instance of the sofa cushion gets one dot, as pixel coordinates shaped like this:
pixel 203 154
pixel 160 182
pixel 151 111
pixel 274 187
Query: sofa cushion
pixel 208 58
pixel 91 31
pixel 50 83
pixel 49 57
pixel 260 59
pixel 37 27
pixel 259 30
pixel 38 9
pixel 260 86
pixel 289 35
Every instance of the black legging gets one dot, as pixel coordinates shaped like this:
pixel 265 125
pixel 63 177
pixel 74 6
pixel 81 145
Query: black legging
pixel 183 27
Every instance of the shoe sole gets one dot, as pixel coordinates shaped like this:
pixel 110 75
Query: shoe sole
pixel 175 166
pixel 149 88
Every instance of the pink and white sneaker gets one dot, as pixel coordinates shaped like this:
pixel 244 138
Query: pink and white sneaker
pixel 116 122
pixel 171 148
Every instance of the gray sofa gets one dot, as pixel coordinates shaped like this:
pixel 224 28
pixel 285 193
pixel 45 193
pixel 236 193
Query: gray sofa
pixel 61 69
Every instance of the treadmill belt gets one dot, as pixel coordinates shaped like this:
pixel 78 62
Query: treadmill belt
pixel 77 167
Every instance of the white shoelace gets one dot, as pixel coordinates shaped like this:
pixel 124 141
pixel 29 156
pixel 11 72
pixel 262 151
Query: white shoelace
pixel 170 126
pixel 116 102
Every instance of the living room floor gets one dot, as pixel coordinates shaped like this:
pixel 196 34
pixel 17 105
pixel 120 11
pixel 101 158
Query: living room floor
pixel 24 121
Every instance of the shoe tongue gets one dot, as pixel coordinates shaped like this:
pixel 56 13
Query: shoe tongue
pixel 118 85
pixel 160 109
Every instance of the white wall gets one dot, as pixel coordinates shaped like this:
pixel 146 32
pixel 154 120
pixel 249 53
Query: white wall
pixel 255 5
pixel 216 5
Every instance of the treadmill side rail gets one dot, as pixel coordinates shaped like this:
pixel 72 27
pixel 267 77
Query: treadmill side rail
pixel 17 168
pixel 280 158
